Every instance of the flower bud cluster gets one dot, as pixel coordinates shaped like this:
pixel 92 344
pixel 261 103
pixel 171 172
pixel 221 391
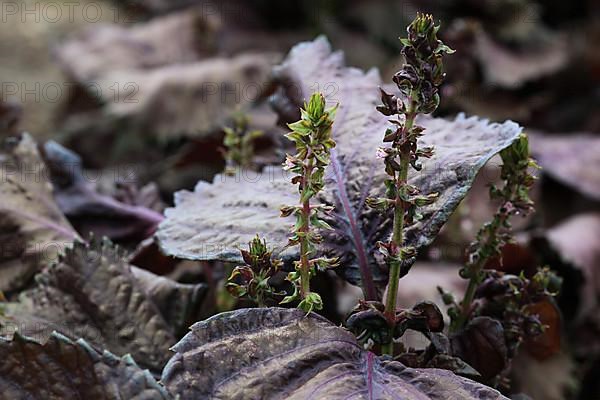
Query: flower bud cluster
pixel 418 83
pixel 239 144
pixel 514 199
pixel 252 280
pixel 313 140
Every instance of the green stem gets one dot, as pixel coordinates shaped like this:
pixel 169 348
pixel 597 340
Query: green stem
pixel 465 305
pixel 304 266
pixel 398 230
pixel 304 243
pixel 260 302
pixel 475 276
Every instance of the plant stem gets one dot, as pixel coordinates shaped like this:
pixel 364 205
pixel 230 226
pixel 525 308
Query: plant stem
pixel 398 229
pixel 260 302
pixel 305 228
pixel 474 278
pixel 465 306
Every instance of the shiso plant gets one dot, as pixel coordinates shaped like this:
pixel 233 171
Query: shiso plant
pixel 418 82
pixel 313 140
pixel 514 200
pixel 506 304
pixel 275 352
pixel 252 280
pixel 512 300
pixel 238 143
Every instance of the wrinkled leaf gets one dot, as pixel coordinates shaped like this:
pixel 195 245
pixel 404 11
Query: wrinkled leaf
pixel 89 210
pixel 191 99
pixel 179 304
pixel 32 228
pixel 148 256
pixel 481 344
pixel 578 241
pixel 62 369
pixel 160 78
pixel 454 364
pixel 509 69
pixel 280 353
pixel 367 321
pixel 94 294
pixel 574 160
pixel 177 38
pixel 214 220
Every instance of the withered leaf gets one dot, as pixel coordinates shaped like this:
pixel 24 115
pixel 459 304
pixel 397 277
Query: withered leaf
pixel 193 99
pixel 571 159
pixel 280 353
pixel 62 369
pixel 481 344
pixel 454 364
pixel 156 78
pixel 510 69
pixel 180 37
pixel 179 304
pixel 89 210
pixel 32 228
pixel 93 293
pixel 214 220
pixel 578 241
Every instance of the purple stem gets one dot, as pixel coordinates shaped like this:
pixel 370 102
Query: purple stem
pixel 365 273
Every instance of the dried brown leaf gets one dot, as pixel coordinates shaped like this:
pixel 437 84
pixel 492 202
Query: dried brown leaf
pixel 62 369
pixel 509 69
pixel 32 228
pixel 180 37
pixel 574 160
pixel 161 77
pixel 91 211
pixel 93 293
pixel 481 344
pixel 192 99
pixel 578 241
